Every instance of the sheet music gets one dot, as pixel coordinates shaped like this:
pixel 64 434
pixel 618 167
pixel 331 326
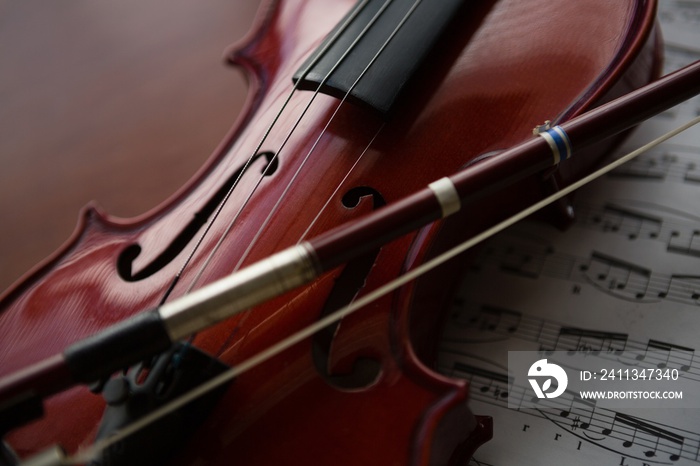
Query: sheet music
pixel 625 277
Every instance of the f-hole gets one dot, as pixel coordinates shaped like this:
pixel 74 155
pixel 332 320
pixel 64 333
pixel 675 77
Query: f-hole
pixel 351 280
pixel 125 261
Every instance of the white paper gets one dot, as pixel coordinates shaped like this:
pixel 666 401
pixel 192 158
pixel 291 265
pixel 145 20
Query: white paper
pixel 624 277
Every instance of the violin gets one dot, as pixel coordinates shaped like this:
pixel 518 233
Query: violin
pixel 355 106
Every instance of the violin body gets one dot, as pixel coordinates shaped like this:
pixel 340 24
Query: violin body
pixel 363 392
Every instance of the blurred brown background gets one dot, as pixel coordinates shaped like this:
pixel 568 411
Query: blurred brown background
pixel 120 102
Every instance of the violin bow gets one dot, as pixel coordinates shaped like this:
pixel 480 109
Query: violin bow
pixel 155 330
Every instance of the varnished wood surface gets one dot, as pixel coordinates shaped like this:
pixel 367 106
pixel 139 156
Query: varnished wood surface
pixel 292 402
pixel 117 102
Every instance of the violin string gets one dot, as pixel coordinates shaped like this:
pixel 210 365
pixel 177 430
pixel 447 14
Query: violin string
pixel 223 202
pixel 234 219
pixel 90 453
pixel 274 209
pixel 232 222
pixel 340 185
pixel 248 162
pixel 299 169
pixel 245 314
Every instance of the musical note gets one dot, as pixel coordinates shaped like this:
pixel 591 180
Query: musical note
pixel 486 374
pixel 675 162
pixel 552 336
pixel 525 262
pixel 617 276
pixel 678 229
pixel 683 288
pixel 683 354
pixel 612 275
pixel 576 339
pixel 493 384
pixel 493 319
pixel 587 425
pixel 609 430
pixel 645 168
pixel 622 220
pixel 652 439
pixel 578 405
pixel 654 432
pixel 692 174
pixel 525 257
pixel 689 245
pixel 609 274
